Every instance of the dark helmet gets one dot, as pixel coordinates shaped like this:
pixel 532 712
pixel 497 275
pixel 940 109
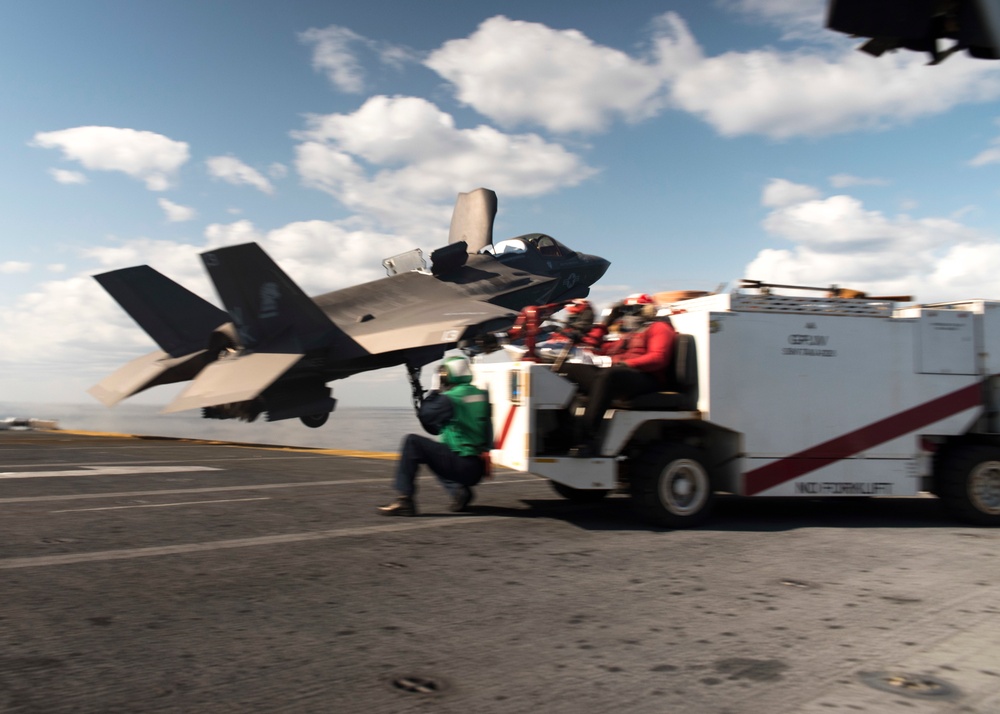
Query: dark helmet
pixel 581 314
pixel 637 309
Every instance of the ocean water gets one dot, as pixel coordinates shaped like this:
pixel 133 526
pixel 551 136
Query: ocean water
pixel 363 429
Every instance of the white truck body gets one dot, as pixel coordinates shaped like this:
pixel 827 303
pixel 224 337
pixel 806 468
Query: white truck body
pixel 796 396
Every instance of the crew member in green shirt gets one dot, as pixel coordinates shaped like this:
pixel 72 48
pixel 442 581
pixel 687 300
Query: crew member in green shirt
pixel 460 413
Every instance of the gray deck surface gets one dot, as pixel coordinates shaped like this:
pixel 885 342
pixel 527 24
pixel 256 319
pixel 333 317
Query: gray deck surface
pixel 198 577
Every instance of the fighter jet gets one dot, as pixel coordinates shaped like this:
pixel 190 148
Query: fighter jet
pixel 973 25
pixel 273 349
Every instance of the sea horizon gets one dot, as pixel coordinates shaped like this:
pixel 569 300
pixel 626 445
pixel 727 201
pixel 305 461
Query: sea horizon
pixel 348 428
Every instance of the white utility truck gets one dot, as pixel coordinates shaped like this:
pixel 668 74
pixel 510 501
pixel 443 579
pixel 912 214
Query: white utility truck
pixel 780 395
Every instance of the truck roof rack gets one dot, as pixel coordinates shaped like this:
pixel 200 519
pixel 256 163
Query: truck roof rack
pixel 833 291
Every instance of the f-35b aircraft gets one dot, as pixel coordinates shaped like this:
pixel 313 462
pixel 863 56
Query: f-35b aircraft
pixel 273 350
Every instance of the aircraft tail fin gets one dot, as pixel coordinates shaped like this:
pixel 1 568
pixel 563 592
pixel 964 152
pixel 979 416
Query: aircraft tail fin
pixel 277 324
pixel 270 311
pixel 472 219
pixel 179 321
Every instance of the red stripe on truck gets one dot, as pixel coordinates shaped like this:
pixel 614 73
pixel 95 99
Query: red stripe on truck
pixel 874 434
pixel 506 427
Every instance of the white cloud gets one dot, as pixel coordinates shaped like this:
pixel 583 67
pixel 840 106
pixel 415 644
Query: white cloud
pixel 9 267
pixel 403 160
pixel 175 212
pixel 336 50
pixel 68 177
pixel 987 156
pixel 990 155
pixel 785 94
pixel 563 81
pixel 277 170
pixel 319 255
pixel 847 180
pixel 514 71
pixel 836 240
pixel 395 56
pixel 332 55
pixel 798 18
pixel 44 326
pixel 179 261
pixel 780 192
pixel 56 267
pixel 143 155
pixel 232 170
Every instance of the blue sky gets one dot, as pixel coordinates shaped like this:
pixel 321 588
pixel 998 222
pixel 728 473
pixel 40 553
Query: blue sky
pixel 690 143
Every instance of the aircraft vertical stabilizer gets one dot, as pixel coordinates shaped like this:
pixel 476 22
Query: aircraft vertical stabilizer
pixel 176 318
pixel 277 324
pixel 472 219
pixel 271 312
pixel 180 322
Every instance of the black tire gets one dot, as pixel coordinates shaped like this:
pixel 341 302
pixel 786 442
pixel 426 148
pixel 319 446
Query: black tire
pixel 580 495
pixel 315 421
pixel 968 481
pixel 672 487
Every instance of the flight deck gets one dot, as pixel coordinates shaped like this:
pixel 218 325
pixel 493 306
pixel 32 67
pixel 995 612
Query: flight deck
pixel 168 575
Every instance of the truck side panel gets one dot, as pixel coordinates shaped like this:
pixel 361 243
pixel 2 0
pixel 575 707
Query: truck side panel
pixel 823 400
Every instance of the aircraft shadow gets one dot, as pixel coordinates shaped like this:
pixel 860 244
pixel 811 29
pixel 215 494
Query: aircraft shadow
pixel 757 515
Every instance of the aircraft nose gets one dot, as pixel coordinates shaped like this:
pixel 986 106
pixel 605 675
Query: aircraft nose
pixel 599 266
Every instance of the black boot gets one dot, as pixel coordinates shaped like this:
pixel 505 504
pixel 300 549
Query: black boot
pixel 461 499
pixel 402 506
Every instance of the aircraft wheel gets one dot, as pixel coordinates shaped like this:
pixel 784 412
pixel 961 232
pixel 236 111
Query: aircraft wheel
pixel 315 421
pixel 968 481
pixel 671 486
pixel 579 495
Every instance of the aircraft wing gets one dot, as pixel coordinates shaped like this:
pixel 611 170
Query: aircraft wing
pixel 231 380
pixel 422 324
pixel 147 371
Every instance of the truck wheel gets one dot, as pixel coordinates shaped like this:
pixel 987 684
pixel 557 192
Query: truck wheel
pixel 579 495
pixel 968 482
pixel 671 486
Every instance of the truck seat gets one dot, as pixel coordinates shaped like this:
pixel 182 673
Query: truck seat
pixel 682 383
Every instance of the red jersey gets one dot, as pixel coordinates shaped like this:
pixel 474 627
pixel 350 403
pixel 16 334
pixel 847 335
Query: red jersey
pixel 648 350
pixel 593 338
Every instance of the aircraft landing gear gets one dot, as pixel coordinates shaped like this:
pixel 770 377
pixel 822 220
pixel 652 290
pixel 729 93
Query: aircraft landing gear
pixel 416 390
pixel 315 421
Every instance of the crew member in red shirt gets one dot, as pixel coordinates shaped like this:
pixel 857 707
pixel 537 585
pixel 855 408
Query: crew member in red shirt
pixel 638 364
pixel 580 327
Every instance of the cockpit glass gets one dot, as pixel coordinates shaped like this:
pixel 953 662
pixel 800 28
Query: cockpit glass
pixel 511 245
pixel 548 246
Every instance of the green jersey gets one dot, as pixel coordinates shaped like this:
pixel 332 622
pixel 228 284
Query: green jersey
pixel 470 431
